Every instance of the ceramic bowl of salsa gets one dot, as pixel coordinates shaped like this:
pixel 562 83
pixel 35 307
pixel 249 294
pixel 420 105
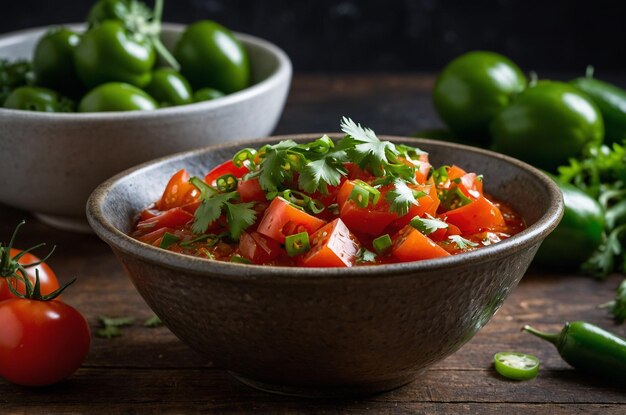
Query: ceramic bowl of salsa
pixel 294 325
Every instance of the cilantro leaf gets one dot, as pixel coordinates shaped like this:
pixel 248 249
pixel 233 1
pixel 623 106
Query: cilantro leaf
pixel 209 211
pixel 319 174
pixel 240 217
pixel 461 242
pixel 278 164
pixel 617 307
pixel 152 322
pixel 111 326
pixel 428 225
pixel 401 197
pixel 364 256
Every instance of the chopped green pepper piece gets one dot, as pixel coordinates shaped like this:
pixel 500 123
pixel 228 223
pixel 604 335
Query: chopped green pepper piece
pixel 240 260
pixel 382 244
pixel 362 192
pixel 168 240
pixel 297 244
pixel 226 183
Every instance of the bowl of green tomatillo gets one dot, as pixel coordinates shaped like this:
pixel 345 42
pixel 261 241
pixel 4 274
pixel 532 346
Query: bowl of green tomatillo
pixel 82 102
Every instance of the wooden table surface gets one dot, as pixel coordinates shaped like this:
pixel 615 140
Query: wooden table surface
pixel 151 371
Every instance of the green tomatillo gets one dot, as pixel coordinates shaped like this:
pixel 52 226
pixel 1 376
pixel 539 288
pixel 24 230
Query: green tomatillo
pixel 168 87
pixel 472 89
pixel 211 56
pixel 116 96
pixel 547 124
pixel 111 53
pixel 53 62
pixel 30 98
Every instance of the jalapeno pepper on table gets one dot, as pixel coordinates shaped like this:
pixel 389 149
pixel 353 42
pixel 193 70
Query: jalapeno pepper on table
pixel 327 204
pixel 589 348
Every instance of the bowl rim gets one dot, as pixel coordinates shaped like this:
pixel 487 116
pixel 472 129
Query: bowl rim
pixel 276 78
pixel 228 270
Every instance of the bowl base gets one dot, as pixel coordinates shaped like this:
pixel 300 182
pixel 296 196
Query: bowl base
pixel 65 223
pixel 324 392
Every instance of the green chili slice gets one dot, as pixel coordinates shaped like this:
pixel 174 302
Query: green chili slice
pixel 240 260
pixel 226 183
pixel 168 240
pixel 297 244
pixel 362 192
pixel 516 366
pixel 211 238
pixel 382 244
pixel 247 154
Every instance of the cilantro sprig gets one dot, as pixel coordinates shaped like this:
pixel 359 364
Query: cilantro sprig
pixel 239 216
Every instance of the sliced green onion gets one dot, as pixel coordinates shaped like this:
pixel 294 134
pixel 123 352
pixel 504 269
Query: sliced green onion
pixel 240 260
pixel 168 240
pixel 226 183
pixel 382 244
pixel 362 192
pixel 297 244
pixel 213 240
pixel 247 154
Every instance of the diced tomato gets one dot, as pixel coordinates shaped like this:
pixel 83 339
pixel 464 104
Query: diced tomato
pixel 178 192
pixel 332 246
pixel 423 170
pixel 356 173
pixel 228 167
pixel 258 248
pixel 281 219
pixel 251 191
pixel 441 234
pixel 344 192
pixel 455 172
pixel 173 218
pixel 428 204
pixel 471 186
pixel 154 236
pixel 479 215
pixel 411 245
pixel 371 220
pixel 148 214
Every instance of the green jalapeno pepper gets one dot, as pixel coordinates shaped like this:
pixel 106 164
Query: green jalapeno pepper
pixel 589 348
pixel 53 62
pixel 211 56
pixel 610 100
pixel 206 94
pixel 111 53
pixel 579 233
pixel 116 96
pixel 31 98
pixel 168 87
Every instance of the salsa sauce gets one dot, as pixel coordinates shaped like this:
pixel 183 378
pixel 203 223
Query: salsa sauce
pixel 364 217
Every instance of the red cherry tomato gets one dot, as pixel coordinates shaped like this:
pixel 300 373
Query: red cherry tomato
pixel 47 279
pixel 41 342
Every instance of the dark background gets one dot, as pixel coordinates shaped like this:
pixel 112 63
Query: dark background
pixel 400 35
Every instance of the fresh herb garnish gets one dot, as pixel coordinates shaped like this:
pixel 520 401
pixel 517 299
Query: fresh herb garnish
pixel 240 216
pixel 153 322
pixel 617 307
pixel 168 240
pixel 364 256
pixel 461 242
pixel 14 75
pixel 111 326
pixel 402 197
pixel 428 224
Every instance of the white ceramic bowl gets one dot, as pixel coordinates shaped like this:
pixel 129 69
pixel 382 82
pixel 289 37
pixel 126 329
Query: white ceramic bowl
pixel 50 163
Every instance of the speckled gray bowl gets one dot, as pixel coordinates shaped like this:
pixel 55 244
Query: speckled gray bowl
pixel 319 332
pixel 50 163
